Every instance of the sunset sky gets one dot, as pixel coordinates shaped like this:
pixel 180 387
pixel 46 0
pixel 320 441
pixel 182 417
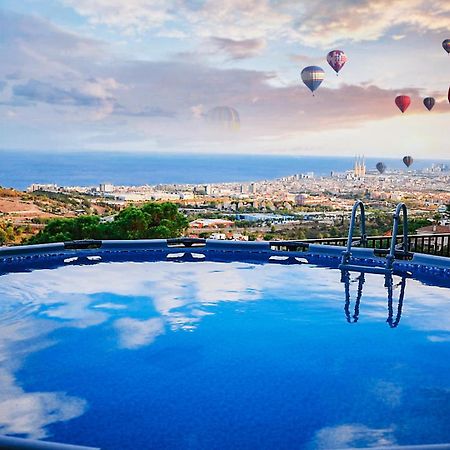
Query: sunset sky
pixel 140 75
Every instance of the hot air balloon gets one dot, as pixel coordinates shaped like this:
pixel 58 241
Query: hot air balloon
pixel 403 101
pixel 446 45
pixel 312 76
pixel 429 103
pixel 336 59
pixel 224 117
pixel 381 167
pixel 448 95
pixel 408 160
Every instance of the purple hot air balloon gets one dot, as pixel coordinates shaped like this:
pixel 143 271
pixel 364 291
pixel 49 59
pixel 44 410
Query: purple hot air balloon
pixel 446 45
pixel 408 160
pixel 336 59
pixel 381 167
pixel 429 103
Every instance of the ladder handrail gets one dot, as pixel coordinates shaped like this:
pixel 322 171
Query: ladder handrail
pixel 347 253
pixel 390 258
pixel 400 208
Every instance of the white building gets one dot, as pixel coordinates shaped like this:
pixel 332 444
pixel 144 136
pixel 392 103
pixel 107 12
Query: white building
pixel 106 187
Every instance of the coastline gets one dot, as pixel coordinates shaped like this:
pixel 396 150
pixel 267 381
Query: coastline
pixel 24 168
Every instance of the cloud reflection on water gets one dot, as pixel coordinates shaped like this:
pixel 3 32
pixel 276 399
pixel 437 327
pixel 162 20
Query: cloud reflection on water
pixel 171 297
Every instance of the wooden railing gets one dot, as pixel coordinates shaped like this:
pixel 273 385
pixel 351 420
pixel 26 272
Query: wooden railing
pixel 430 244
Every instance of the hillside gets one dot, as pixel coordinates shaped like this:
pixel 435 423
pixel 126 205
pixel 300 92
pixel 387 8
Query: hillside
pixel 23 214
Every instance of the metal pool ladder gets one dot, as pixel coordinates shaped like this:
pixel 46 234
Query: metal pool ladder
pixel 390 254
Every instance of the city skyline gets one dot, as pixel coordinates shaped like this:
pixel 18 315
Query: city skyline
pixel 142 76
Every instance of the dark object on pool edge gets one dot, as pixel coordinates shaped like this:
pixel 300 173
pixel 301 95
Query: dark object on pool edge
pixel 11 443
pixel 83 244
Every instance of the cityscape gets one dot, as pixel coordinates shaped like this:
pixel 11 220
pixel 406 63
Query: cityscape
pixel 276 204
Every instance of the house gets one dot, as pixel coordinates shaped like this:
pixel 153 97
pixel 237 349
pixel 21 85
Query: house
pixel 433 244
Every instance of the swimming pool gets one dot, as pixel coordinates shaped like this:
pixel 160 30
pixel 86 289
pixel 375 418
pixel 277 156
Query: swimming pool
pixel 123 353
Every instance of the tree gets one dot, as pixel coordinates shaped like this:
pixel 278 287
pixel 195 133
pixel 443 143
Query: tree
pixel 150 221
pixel 3 237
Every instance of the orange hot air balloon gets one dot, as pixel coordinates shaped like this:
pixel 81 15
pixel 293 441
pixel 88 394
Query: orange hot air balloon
pixel 403 101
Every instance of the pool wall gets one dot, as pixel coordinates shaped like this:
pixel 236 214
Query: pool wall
pixel 45 256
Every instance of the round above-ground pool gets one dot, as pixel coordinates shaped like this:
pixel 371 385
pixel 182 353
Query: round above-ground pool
pixel 149 345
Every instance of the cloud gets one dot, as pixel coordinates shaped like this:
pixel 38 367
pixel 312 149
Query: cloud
pixel 388 392
pixel 239 49
pixel 229 19
pixel 38 91
pixel 29 413
pixel 135 333
pixel 319 22
pixel 161 105
pixel 352 435
pixel 147 111
pixel 21 412
pixel 32 47
pixel 103 101
pixel 323 23
pixel 131 17
pixel 307 60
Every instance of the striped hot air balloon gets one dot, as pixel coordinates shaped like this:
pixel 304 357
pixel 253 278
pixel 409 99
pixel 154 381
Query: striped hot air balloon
pixel 446 45
pixel 429 103
pixel 224 117
pixel 336 59
pixel 403 101
pixel 312 76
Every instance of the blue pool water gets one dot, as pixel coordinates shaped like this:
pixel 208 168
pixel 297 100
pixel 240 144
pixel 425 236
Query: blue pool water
pixel 221 356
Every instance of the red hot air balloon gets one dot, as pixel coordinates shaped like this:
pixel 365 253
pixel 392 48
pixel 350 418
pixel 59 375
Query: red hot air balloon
pixel 403 101
pixel 429 103
pixel 336 59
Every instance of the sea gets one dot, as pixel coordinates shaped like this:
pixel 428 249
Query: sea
pixel 20 169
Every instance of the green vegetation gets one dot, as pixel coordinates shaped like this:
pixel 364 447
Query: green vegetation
pixel 150 221
pixel 10 233
pixel 7 234
pixel 414 224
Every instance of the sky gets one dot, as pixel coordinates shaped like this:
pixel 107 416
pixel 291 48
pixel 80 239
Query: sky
pixel 143 75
